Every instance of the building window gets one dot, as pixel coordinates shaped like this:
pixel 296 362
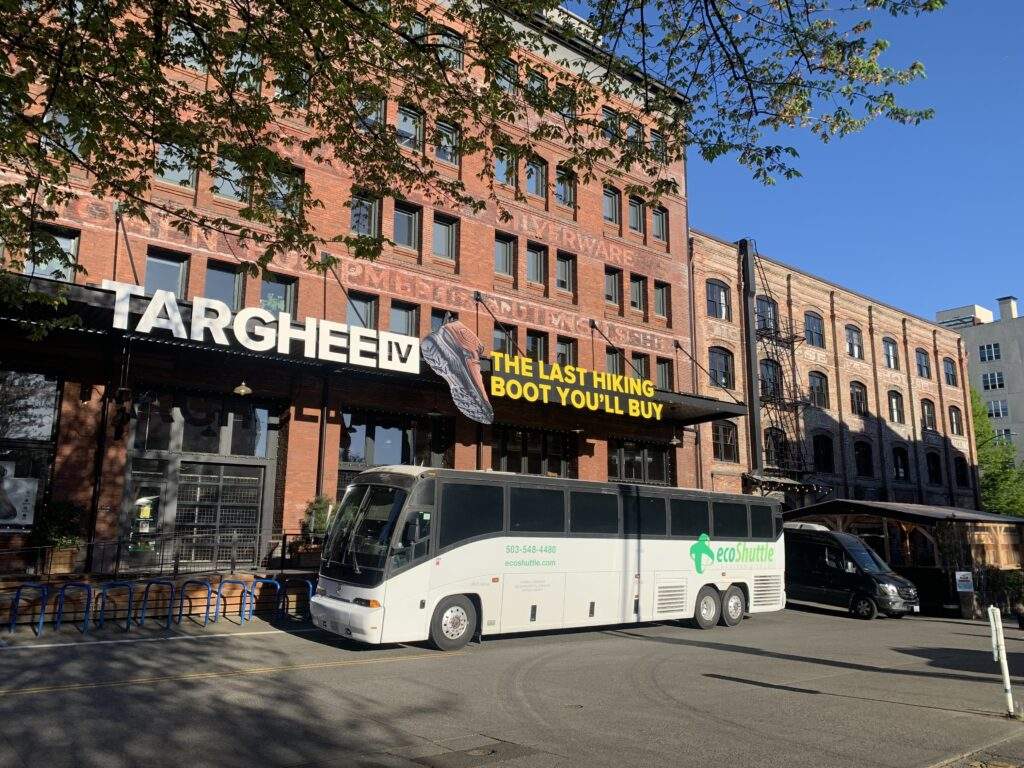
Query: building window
pixel 166 271
pixel 186 45
pixel 404 318
pixel 719 301
pixel 534 452
pixel 998 409
pixel 891 354
pixel 725 441
pixel 505 255
pixel 924 364
pixel 771 380
pixel 858 398
pixel 993 380
pixel 506 76
pixel 863 459
pixel 537 345
pixel 634 134
pixel 962 472
pixel 614 360
pixel 536 84
pixel 636 462
pixel 361 311
pixel 407 226
pixel 854 342
pixel 369 114
pixel 565 188
pixel 536 177
pixel 55 252
pixel 175 166
pixel 661 298
pixel 928 415
pixel 956 421
pixel 721 368
pixel 409 128
pixel 277 293
pixel 896 414
pixel 224 283
pixel 658 147
pixel 609 124
pixel 364 216
pixel 565 272
pixel 565 351
pixel 767 314
pixel 504 339
pixel 900 464
pixel 611 205
pixel 445 237
pixel 823 451
pixel 637 216
pixel 949 367
pixel 817 389
pixel 284 190
pixel 776 447
pixel 504 167
pixel 659 224
pixel 439 317
pixel 613 286
pixel 27 441
pixel 638 292
pixel 449 48
pixel 665 378
pixel 641 365
pixel 990 352
pixel 536 263
pixel 933 465
pixel 1004 434
pixel 377 439
pixel 447 148
pixel 814 330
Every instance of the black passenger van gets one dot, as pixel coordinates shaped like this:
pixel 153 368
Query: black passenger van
pixel 840 569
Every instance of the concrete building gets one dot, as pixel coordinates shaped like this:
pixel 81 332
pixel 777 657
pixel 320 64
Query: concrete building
pixel 995 350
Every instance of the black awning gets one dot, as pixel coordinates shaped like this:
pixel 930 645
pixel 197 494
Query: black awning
pixel 685 409
pixel 913 513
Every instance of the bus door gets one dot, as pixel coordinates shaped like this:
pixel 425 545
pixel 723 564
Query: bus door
pixel 643 516
pixel 408 576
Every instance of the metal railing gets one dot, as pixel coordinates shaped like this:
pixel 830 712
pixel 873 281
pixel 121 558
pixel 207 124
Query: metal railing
pixel 167 555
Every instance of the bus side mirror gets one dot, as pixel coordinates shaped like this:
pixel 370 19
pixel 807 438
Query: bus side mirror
pixel 411 534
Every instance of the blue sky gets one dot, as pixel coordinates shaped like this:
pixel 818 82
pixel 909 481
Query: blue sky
pixel 925 217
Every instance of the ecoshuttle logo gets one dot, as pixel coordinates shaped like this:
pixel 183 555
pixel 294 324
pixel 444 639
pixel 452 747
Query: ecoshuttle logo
pixel 738 553
pixel 699 550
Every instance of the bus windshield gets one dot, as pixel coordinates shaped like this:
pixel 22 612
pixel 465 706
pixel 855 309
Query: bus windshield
pixel 865 557
pixel 358 540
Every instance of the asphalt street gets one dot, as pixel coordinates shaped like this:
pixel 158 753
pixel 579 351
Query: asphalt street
pixel 795 688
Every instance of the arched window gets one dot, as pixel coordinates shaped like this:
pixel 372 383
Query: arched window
pixel 896 413
pixel 719 301
pixel 933 463
pixel 721 368
pixel 891 353
pixel 824 454
pixel 725 441
pixel 767 314
pixel 854 342
pixel 776 447
pixel 927 414
pixel 858 398
pixel 962 471
pixel 956 420
pixel 900 464
pixel 949 366
pixel 771 380
pixel 814 329
pixel 817 389
pixel 924 363
pixel 863 459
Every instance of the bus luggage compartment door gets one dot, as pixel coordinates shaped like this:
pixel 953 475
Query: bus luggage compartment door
pixel 532 601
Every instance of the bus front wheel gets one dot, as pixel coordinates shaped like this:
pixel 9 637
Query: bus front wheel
pixel 708 608
pixel 453 623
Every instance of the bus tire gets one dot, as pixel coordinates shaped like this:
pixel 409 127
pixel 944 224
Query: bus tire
pixel 453 624
pixel 734 606
pixel 863 607
pixel 708 607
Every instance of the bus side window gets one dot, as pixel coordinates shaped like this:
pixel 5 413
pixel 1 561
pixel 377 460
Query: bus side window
pixel 469 510
pixel 730 520
pixel 690 518
pixel 593 513
pixel 643 515
pixel 536 510
pixel 761 522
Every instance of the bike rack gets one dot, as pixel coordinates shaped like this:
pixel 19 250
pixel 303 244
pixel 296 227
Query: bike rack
pixel 44 595
pixel 252 592
pixel 150 583
pixel 283 610
pixel 246 594
pixel 104 590
pixel 183 594
pixel 58 619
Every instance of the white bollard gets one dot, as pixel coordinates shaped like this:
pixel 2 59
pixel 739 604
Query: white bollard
pixel 995 620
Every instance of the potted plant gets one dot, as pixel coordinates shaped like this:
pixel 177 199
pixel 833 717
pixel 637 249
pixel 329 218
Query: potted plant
pixel 306 549
pixel 59 527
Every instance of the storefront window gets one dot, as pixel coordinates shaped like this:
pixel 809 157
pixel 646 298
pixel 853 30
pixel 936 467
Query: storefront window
pixel 216 425
pixel 372 440
pixel 636 462
pixel 533 452
pixel 28 404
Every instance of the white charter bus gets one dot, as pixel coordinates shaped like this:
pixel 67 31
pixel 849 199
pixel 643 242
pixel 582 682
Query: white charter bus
pixel 444 555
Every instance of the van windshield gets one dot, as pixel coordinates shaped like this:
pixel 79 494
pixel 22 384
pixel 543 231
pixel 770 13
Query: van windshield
pixel 865 556
pixel 359 537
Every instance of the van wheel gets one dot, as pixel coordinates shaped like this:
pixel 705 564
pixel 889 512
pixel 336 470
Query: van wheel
pixel 453 624
pixel 863 607
pixel 708 608
pixel 733 607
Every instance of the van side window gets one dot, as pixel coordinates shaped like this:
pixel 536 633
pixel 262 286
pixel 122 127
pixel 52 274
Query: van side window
pixel 537 510
pixel 469 510
pixel 643 515
pixel 593 513
pixel 730 520
pixel 690 518
pixel 761 526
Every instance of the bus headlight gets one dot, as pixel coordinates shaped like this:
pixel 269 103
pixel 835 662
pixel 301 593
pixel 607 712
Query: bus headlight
pixel 366 603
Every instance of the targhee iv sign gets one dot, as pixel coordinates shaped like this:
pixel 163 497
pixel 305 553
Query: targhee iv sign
pixel 534 381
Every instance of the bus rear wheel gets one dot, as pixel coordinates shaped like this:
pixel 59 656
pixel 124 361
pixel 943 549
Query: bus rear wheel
pixel 453 623
pixel 734 605
pixel 708 608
